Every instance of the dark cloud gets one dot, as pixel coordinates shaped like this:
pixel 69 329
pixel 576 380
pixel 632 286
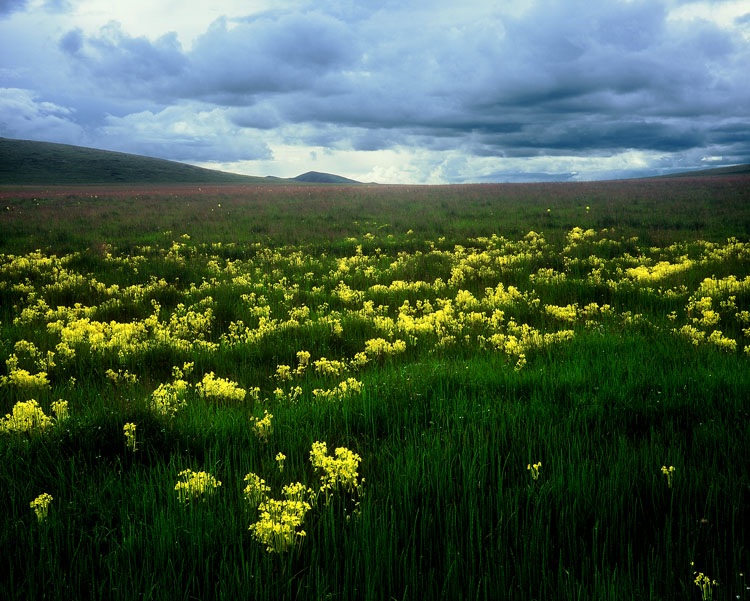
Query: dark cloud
pixel 238 61
pixel 259 116
pixel 575 78
pixel 10 6
pixel 72 41
pixel 732 132
pixel 123 64
pixel 579 78
pixel 231 64
pixel 610 61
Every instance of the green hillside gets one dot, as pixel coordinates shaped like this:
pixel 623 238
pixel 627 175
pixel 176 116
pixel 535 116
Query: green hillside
pixel 731 170
pixel 316 177
pixel 29 162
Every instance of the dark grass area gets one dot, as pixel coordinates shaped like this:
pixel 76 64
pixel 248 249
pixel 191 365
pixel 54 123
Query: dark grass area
pixel 658 211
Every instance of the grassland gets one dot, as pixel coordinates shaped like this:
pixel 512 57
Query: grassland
pixel 526 391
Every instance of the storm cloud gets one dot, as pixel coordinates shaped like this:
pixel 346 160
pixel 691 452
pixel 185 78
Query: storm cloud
pixel 465 93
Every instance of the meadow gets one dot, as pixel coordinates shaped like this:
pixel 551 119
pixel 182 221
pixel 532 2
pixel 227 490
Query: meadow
pixel 523 392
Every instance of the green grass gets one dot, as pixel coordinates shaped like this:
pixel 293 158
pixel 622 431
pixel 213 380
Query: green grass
pixel 445 430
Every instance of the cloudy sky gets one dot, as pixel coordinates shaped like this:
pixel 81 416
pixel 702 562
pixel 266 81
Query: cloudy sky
pixel 406 91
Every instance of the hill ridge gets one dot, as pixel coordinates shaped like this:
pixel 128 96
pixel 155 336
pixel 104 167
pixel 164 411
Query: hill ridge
pixel 740 169
pixel 318 177
pixel 25 162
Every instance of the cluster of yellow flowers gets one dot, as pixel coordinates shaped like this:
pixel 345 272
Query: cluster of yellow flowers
pixel 339 471
pixel 101 337
pixel 61 410
pixel 518 340
pixel 428 300
pixel 566 313
pixel 283 373
pixel 40 505
pixel 121 377
pixel 195 485
pixel 702 308
pixel 721 287
pixel 669 473
pixel 344 390
pixel 279 523
pixel 547 275
pixel 660 271
pixel 303 359
pixel 169 398
pixel 263 427
pixel 577 235
pixel 705 584
pixel 280 459
pixel 129 431
pixel 329 367
pixel 287 396
pixel 715 338
pixel 23 378
pixel 27 416
pixel 256 489
pixel 218 389
pixel 346 295
pixel 378 347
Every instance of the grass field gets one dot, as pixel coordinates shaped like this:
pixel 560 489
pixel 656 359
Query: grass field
pixel 376 392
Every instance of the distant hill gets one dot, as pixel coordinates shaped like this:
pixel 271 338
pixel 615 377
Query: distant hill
pixel 30 162
pixel 316 177
pixel 732 170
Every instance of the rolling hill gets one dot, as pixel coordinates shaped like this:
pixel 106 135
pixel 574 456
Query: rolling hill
pixel 316 177
pixel 29 162
pixel 731 170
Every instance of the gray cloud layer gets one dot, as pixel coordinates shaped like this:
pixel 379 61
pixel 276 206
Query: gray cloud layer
pixel 559 78
pixel 9 6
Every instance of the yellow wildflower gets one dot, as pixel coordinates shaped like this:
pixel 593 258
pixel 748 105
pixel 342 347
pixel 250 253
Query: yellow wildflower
pixel 280 458
pixel 219 389
pixel 705 584
pixel 256 490
pixel 283 372
pixel 263 427
pixel 129 431
pixel 167 399
pixel 278 525
pixel 668 472
pixel 60 409
pixel 195 485
pixel 40 505
pixel 335 472
pixel 27 416
pixel 534 469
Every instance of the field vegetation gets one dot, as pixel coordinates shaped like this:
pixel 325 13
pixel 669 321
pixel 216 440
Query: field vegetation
pixel 376 392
